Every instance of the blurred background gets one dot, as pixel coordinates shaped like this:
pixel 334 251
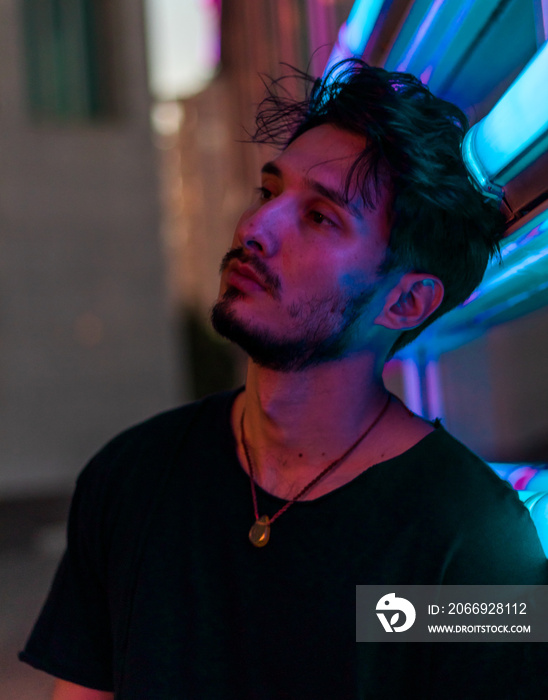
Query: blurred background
pixel 123 170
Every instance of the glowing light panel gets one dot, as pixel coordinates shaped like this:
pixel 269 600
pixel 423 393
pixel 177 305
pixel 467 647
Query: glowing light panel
pixel 515 132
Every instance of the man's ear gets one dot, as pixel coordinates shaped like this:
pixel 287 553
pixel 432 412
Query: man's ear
pixel 411 301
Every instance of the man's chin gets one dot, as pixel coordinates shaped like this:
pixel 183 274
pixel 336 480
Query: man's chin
pixel 268 351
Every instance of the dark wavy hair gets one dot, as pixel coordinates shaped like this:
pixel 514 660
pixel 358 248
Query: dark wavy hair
pixel 440 223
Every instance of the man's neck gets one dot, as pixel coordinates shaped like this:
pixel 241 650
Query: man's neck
pixel 288 408
pixel 296 424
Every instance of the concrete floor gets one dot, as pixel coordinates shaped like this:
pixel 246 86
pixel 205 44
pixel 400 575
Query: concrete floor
pixel 31 543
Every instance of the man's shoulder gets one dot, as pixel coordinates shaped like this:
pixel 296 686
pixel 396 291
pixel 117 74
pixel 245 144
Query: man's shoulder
pixel 151 445
pixel 453 485
pixel 494 537
pixel 451 464
pixel 174 420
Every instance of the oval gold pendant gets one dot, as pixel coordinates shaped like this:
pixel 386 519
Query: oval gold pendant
pixel 260 531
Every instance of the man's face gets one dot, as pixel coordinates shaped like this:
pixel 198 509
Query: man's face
pixel 299 284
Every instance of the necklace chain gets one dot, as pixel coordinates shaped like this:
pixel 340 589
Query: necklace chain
pixel 260 531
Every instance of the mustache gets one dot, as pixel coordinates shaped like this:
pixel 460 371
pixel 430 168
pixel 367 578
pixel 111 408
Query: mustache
pixel 270 280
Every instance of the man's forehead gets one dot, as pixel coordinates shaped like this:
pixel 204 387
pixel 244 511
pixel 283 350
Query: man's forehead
pixel 325 147
pixel 323 159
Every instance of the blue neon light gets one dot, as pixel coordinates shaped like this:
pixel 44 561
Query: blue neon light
pixel 525 250
pixel 421 32
pixel 516 284
pixel 355 32
pixel 436 43
pixel 515 132
pixel 360 23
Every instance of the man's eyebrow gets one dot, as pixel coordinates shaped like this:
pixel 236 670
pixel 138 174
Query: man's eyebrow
pixel 271 168
pixel 333 195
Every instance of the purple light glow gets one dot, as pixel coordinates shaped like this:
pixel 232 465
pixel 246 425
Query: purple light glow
pixel 425 75
pixel 420 34
pixel 472 296
pixel 520 477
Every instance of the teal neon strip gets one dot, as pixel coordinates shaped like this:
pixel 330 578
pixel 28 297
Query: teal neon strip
pixel 515 131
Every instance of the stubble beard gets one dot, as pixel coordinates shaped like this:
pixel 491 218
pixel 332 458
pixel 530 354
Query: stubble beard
pixel 325 329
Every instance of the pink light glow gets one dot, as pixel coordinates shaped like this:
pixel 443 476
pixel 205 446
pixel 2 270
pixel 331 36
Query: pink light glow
pixel 521 477
pixel 425 75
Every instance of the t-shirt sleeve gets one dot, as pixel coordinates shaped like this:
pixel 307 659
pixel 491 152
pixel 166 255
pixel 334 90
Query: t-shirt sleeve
pixel 72 636
pixel 497 544
pixel 80 633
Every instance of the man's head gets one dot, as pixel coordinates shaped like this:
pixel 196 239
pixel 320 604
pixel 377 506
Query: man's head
pixel 384 155
pixel 440 224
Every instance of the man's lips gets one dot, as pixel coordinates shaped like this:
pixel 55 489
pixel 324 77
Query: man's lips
pixel 244 277
pixel 249 273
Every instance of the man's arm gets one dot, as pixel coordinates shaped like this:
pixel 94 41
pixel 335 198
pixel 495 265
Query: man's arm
pixel 64 690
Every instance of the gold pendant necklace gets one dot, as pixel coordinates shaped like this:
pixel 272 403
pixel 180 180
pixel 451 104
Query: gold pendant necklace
pixel 260 531
pixel 259 534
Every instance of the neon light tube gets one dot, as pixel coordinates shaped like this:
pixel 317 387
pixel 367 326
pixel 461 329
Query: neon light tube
pixel 355 32
pixel 419 36
pixel 436 37
pixel 518 285
pixel 515 132
pixel 361 21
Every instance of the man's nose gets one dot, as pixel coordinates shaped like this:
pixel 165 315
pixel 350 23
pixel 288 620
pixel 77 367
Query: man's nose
pixel 262 230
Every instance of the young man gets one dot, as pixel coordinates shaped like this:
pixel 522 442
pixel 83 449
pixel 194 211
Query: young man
pixel 213 552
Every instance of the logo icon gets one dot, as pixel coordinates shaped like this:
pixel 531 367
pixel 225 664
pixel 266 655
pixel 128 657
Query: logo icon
pixel 389 609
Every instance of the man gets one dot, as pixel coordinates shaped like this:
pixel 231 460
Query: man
pixel 213 552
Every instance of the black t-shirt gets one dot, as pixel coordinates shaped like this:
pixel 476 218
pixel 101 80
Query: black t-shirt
pixel 161 596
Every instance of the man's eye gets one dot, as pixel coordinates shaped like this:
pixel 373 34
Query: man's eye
pixel 319 218
pixel 264 193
